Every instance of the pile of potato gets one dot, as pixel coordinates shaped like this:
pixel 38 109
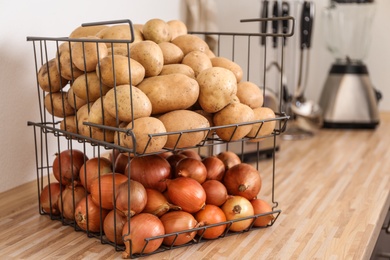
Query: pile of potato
pixel 165 81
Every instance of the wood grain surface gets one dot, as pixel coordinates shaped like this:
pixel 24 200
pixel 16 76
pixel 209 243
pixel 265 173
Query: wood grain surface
pixel 332 189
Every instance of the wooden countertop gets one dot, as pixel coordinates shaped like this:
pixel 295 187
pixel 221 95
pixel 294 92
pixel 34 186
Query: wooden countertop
pixel 332 189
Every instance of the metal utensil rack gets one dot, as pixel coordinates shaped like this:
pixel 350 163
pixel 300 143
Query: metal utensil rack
pixel 50 139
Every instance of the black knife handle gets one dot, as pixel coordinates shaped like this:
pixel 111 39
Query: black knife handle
pixel 275 23
pixel 285 23
pixel 306 24
pixel 264 14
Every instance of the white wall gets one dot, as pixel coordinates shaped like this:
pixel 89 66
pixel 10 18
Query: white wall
pixel 19 19
pixel 378 60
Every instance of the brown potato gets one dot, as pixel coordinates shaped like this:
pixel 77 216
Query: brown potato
pixel 88 87
pixel 181 120
pixel 178 68
pixel 150 55
pixel 250 94
pixel 177 28
pixel 49 79
pixel 98 115
pixel 69 124
pixel 127 103
pixel 57 104
pixel 85 31
pixel 143 127
pixel 234 113
pixel 170 92
pixel 85 55
pixel 197 60
pixel 116 32
pixel 75 101
pixel 156 30
pixel 228 64
pixel 190 42
pixel 217 87
pixel 266 128
pixel 172 54
pixel 65 67
pixel 104 70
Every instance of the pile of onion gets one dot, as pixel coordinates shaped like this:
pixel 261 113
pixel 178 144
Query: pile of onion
pixel 157 204
pixel 215 168
pixel 192 168
pixel 131 198
pixel 92 169
pixel 88 216
pixel 48 198
pixel 67 165
pixel 113 225
pixel 237 207
pixel 68 200
pixel 229 159
pixel 216 193
pixel 211 214
pixel 262 207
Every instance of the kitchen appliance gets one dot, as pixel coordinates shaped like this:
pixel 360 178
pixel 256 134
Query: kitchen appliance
pixel 348 98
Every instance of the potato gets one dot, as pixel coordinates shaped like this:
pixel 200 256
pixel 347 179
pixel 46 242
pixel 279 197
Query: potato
pixel 217 88
pixel 119 103
pixel 198 61
pixel 170 92
pixel 119 32
pixel 228 64
pixel 177 28
pixel 65 67
pixel 98 115
pixel 69 124
pixel 121 76
pixel 85 31
pixel 75 101
pixel 190 42
pixel 181 120
pixel 119 51
pixel 172 54
pixel 88 87
pixel 49 79
pixel 178 68
pixel 234 113
pixel 150 55
pixel 266 128
pixel 93 132
pixel 57 104
pixel 250 94
pixel 156 30
pixel 142 128
pixel 85 55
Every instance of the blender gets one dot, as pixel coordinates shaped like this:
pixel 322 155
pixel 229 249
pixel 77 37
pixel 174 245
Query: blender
pixel 348 98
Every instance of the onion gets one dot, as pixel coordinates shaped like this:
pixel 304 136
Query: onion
pixel 137 198
pixel 216 193
pixel 88 215
pixel 142 226
pixel 151 171
pixel 215 168
pixel 173 160
pixel 166 154
pixel 103 188
pixel 186 193
pixel 243 179
pixel 237 207
pixel 157 204
pixel 211 214
pixel 68 200
pixel 190 153
pixel 261 207
pixel 229 159
pixel 48 198
pixel 113 225
pixel 67 164
pixel 192 168
pixel 122 160
pixel 176 221
pixel 92 169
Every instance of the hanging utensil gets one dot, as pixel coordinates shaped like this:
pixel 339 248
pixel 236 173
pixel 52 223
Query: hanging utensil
pixel 264 14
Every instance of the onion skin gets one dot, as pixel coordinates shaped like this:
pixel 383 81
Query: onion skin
pixel 88 215
pixel 92 169
pixel 122 160
pixel 244 180
pixel 175 221
pixel 157 204
pixel 113 225
pixel 151 171
pixel 211 214
pixel 261 207
pixel 192 168
pixel 108 183
pixel 186 193
pixel 48 198
pixel 173 160
pixel 215 168
pixel 238 207
pixel 229 159
pixel 67 165
pixel 190 153
pixel 143 225
pixel 216 193
pixel 68 200
pixel 138 198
